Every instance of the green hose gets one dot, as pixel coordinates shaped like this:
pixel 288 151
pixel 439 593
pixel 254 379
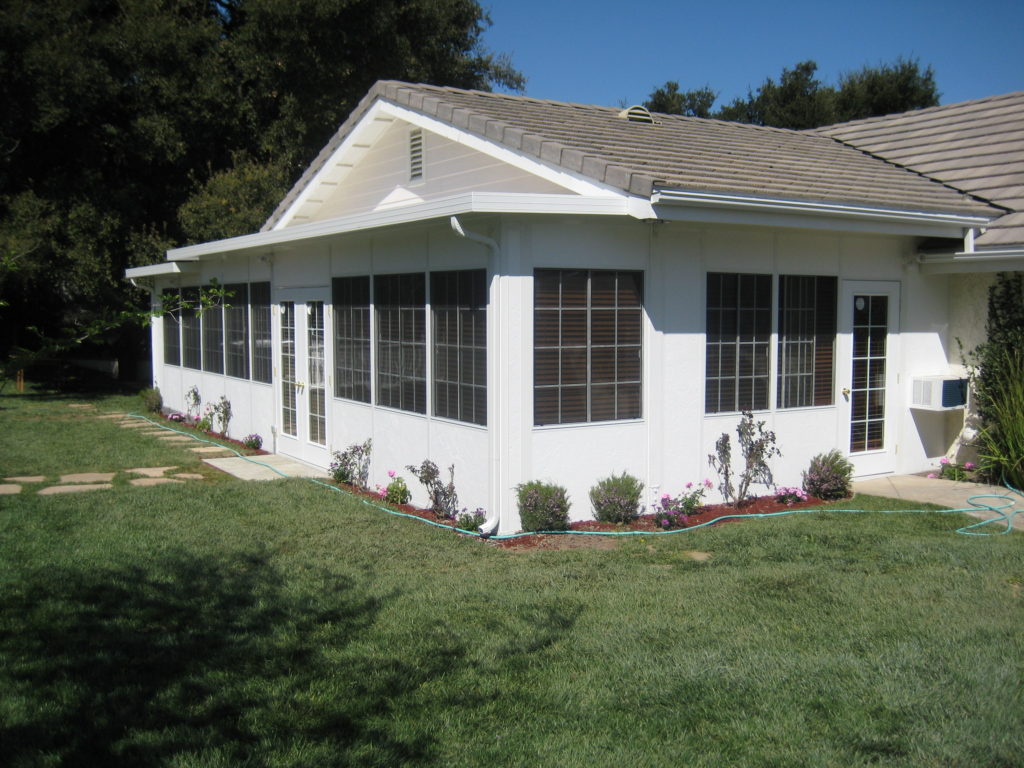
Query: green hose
pixel 1002 516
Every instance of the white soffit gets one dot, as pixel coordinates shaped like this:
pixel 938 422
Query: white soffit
pixel 383 114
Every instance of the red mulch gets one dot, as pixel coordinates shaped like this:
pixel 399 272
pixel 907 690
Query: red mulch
pixel 187 428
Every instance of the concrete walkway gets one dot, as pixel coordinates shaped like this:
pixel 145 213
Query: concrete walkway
pixel 249 469
pixel 945 493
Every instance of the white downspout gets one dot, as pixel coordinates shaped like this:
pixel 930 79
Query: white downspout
pixel 492 523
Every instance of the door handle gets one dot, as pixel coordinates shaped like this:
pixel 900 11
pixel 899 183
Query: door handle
pixel 846 392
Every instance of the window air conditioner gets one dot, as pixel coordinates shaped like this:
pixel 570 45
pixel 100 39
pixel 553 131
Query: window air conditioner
pixel 938 393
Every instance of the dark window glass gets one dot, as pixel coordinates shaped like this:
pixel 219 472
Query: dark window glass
pixel 259 315
pixel 588 330
pixel 400 309
pixel 807 338
pixel 458 303
pixel 236 330
pixel 739 327
pixel 351 297
pixel 191 331
pixel 212 319
pixel 172 327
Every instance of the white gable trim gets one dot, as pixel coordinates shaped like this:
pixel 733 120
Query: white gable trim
pixel 383 114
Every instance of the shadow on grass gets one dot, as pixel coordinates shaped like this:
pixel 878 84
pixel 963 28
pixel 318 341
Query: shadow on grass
pixel 193 662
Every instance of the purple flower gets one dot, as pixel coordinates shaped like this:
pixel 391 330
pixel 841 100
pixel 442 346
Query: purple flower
pixel 969 466
pixel 932 475
pixel 689 486
pixel 664 523
pixel 391 473
pixel 708 484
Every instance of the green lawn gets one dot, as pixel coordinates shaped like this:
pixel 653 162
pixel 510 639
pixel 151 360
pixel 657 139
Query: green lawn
pixel 280 624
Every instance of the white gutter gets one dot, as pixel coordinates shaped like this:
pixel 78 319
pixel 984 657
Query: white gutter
pixel 492 523
pixel 781 205
pixel 469 202
pixel 164 269
pixel 994 260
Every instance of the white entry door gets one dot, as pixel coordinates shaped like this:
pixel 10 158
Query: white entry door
pixel 868 354
pixel 302 367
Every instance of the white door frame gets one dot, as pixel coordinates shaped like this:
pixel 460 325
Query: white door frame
pixel 881 459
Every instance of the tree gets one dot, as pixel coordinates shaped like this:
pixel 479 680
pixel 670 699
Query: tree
pixel 128 128
pixel 669 100
pixel 885 90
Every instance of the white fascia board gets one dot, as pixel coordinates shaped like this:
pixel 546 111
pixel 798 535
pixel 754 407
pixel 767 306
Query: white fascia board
pixel 574 182
pixel 994 260
pixel 166 269
pixel 469 202
pixel 808 214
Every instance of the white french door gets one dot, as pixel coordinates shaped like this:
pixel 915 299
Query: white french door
pixel 868 355
pixel 302 367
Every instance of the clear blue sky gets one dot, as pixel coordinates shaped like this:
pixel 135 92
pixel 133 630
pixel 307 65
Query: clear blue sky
pixel 607 52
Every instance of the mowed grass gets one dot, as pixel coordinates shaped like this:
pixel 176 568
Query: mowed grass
pixel 282 624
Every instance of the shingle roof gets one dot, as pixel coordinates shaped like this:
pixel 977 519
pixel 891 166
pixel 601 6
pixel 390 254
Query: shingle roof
pixel 675 152
pixel 976 146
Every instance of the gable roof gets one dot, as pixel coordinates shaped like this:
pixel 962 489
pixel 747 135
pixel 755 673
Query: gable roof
pixel 672 153
pixel 975 146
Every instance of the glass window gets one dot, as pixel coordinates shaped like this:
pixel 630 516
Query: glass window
pixel 458 303
pixel 807 337
pixel 236 330
pixel 262 350
pixel 172 326
pixel 588 330
pixel 739 328
pixel 191 331
pixel 399 310
pixel 351 296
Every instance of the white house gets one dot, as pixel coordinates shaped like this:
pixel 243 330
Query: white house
pixel 528 289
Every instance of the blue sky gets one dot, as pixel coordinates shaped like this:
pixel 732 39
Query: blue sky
pixel 606 52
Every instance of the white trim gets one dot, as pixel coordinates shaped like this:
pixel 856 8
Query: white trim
pixel 163 269
pixel 994 260
pixel 925 220
pixel 469 202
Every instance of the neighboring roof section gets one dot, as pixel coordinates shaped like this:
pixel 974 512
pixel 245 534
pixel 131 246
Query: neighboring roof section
pixel 975 146
pixel 672 153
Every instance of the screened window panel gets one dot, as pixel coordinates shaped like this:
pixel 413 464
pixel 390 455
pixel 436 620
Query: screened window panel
pixel 172 327
pixel 738 327
pixel 458 304
pixel 236 330
pixel 351 296
pixel 588 327
pixel 807 336
pixel 400 309
pixel 212 319
pixel 262 347
pixel 191 330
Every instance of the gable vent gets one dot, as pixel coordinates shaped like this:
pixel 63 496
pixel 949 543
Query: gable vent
pixel 637 114
pixel 415 154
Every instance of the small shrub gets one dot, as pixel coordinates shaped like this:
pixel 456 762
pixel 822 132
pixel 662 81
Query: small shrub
pixel 757 446
pixel 253 442
pixel 470 521
pixel 221 414
pixel 790 496
pixel 192 403
pixel 205 424
pixel 352 466
pixel 951 470
pixel 543 507
pixel 829 476
pixel 671 513
pixel 444 501
pixel 616 499
pixel 396 492
pixel 152 400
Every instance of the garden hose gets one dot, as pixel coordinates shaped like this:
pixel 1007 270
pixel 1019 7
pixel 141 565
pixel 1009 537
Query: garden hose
pixel 1002 512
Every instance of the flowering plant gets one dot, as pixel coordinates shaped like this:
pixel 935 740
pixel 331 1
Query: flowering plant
pixel 674 512
pixel 950 470
pixel 790 496
pixel 470 521
pixel 253 442
pixel 178 417
pixel 396 491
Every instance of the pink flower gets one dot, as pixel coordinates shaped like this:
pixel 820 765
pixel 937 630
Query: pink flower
pixel 391 473
pixel 708 484
pixel 689 486
pixel 969 466
pixel 665 496
pixel 943 461
pixel 932 475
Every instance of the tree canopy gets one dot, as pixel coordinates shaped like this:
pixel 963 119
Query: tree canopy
pixel 799 100
pixel 131 127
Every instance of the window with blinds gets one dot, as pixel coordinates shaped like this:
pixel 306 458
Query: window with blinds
pixel 400 310
pixel 739 329
pixel 458 304
pixel 259 316
pixel 807 339
pixel 236 330
pixel 351 298
pixel 588 330
pixel 172 326
pixel 191 330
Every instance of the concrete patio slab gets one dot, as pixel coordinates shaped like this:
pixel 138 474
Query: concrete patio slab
pixel 88 477
pixel 9 489
pixel 55 489
pixel 27 479
pixel 149 471
pixel 149 481
pixel 249 469
pixel 945 493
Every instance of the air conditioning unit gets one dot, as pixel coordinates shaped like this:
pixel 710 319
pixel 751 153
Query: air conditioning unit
pixel 938 393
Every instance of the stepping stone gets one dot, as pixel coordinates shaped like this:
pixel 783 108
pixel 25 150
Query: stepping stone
pixel 110 415
pixel 209 449
pixel 27 479
pixel 81 405
pixel 133 424
pixel 9 489
pixel 149 471
pixel 148 481
pixel 189 476
pixel 88 477
pixel 54 489
pixel 175 438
